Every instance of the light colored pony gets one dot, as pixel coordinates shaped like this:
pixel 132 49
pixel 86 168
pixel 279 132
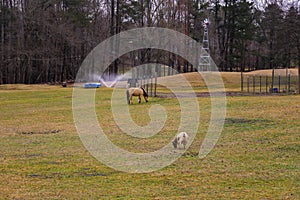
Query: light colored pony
pixel 180 139
pixel 136 92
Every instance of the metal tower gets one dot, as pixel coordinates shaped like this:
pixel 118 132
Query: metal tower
pixel 205 54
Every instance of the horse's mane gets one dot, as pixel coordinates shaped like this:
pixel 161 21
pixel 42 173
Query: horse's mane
pixel 145 93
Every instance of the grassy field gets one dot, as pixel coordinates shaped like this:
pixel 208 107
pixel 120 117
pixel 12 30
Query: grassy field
pixel 42 157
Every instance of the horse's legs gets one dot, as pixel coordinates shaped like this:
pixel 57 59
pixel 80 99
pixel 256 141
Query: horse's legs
pixel 128 97
pixel 146 99
pixel 140 99
pixel 130 100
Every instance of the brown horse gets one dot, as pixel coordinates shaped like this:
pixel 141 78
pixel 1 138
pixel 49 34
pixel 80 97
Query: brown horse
pixel 136 92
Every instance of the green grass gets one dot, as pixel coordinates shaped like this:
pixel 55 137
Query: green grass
pixel 42 157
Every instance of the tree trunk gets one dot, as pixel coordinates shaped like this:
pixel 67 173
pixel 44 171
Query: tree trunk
pixel 2 52
pixel 299 67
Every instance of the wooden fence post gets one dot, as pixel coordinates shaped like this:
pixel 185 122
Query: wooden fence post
pixel 260 84
pixel 279 83
pixel 155 84
pixel 253 84
pixel 248 84
pixel 267 85
pixel 289 83
pixel 151 85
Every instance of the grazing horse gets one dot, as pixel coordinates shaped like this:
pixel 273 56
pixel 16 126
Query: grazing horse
pixel 136 92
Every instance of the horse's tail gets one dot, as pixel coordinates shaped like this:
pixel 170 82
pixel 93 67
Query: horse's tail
pixel 128 96
pixel 145 93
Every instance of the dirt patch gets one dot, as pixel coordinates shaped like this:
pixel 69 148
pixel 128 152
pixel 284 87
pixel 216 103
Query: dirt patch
pixel 165 95
pixel 68 175
pixel 39 132
pixel 245 121
pixel 199 94
pixel 24 87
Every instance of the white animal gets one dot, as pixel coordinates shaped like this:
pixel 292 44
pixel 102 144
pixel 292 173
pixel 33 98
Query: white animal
pixel 180 139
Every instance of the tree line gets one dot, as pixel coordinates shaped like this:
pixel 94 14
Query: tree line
pixel 47 40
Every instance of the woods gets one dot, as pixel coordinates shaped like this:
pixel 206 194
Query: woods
pixel 46 41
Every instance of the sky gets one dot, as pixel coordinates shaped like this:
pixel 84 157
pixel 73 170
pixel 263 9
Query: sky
pixel 285 3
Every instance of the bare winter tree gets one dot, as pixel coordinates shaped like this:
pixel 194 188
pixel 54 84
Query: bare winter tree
pixel 46 41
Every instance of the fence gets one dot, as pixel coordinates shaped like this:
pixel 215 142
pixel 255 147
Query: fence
pixel 144 78
pixel 259 84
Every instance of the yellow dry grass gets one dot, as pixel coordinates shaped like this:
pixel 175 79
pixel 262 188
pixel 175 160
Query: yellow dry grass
pixel 256 157
pixel 268 72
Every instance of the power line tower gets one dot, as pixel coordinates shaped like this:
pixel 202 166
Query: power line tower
pixel 205 54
